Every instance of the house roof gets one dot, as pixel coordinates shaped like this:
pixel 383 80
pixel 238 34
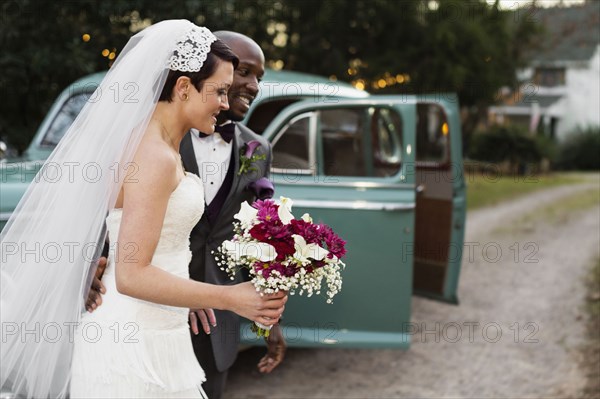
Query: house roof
pixel 569 33
pixel 526 103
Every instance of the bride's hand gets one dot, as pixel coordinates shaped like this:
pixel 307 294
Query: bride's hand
pixel 207 319
pixel 265 309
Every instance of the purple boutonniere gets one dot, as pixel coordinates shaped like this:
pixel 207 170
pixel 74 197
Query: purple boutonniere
pixel 262 188
pixel 247 157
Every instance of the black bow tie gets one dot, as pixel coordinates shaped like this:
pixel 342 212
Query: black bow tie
pixel 226 131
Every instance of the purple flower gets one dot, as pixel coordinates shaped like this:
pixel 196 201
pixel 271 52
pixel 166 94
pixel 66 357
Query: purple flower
pixel 263 268
pixel 308 231
pixel 267 210
pixel 247 157
pixel 266 268
pixel 262 188
pixel 264 232
pixel 251 147
pixel 289 271
pixel 335 244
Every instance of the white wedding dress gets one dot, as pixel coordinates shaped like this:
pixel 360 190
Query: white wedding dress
pixel 130 348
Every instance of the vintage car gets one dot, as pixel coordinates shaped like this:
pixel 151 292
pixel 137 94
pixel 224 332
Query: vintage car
pixel 385 172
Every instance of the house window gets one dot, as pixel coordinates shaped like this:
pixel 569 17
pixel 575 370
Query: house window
pixel 549 77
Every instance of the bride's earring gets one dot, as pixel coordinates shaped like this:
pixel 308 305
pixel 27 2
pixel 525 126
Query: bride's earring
pixel 185 97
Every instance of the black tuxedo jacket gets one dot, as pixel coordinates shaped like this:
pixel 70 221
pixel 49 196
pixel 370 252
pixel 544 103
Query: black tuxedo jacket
pixel 206 237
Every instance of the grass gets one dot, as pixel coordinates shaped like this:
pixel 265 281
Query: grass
pixel 591 351
pixel 555 213
pixel 558 212
pixel 487 190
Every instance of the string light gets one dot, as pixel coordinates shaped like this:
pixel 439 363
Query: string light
pixel 359 84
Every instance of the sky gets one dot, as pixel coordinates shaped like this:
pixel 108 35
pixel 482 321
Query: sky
pixel 508 4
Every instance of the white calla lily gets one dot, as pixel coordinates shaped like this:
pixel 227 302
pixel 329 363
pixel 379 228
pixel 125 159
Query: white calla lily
pixel 306 217
pixel 285 210
pixel 255 250
pixel 246 215
pixel 305 251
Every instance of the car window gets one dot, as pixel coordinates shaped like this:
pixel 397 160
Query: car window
pixel 65 117
pixel 361 142
pixel 354 141
pixel 292 146
pixel 433 136
pixel 386 129
pixel 266 111
pixel 342 133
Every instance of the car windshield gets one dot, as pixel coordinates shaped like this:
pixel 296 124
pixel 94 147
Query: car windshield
pixel 64 118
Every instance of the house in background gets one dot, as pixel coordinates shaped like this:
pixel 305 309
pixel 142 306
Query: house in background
pixel 560 89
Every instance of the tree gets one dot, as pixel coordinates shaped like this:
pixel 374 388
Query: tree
pixel 387 46
pixel 410 46
pixel 44 50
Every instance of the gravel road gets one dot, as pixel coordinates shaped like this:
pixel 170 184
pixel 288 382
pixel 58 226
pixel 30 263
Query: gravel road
pixel 517 332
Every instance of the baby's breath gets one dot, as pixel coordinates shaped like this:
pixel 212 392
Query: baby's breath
pixel 303 275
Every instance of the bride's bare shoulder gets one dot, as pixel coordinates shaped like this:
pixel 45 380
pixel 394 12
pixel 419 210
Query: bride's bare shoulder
pixel 155 161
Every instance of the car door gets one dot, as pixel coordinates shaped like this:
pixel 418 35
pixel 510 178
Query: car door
pixel 349 164
pixel 440 201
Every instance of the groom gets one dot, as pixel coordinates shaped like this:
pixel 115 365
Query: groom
pixel 216 159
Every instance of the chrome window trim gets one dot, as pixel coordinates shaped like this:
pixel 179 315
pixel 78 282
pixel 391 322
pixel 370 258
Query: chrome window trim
pixel 312 140
pixel 357 205
pixel 332 183
pixel 312 137
pixel 303 172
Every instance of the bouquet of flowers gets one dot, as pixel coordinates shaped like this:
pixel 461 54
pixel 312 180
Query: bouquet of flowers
pixel 283 253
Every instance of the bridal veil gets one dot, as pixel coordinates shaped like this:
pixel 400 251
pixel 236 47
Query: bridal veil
pixel 52 240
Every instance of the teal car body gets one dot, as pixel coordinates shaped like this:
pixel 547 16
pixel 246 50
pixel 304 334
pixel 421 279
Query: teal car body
pixel 385 172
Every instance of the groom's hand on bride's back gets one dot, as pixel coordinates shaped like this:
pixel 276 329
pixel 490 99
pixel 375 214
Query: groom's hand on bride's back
pixel 94 298
pixel 207 318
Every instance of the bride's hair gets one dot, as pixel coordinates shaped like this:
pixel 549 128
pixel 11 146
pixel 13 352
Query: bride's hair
pixel 219 52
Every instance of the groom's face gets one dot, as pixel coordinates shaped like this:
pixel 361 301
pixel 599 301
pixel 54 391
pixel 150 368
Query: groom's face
pixel 246 77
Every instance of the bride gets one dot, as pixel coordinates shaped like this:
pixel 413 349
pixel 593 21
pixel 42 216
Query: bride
pixel 122 159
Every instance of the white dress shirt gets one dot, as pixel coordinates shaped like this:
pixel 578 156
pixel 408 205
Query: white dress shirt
pixel 213 155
